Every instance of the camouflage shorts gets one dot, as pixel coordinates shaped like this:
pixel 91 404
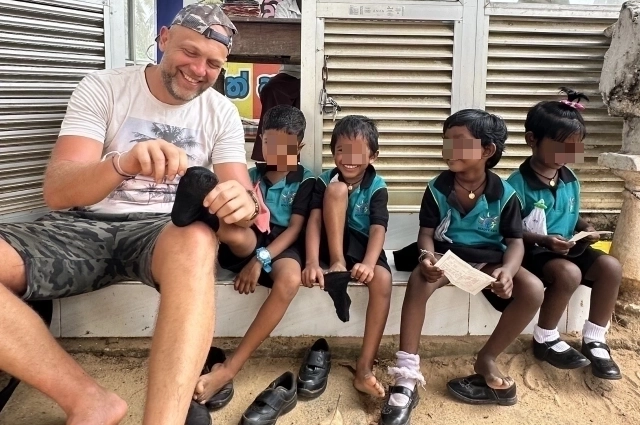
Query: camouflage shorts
pixel 70 253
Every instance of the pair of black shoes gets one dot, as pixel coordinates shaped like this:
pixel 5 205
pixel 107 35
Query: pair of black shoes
pixel 281 396
pixel 574 359
pixel 199 413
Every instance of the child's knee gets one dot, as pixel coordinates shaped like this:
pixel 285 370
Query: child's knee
pixel 529 287
pixel 567 276
pixel 286 285
pixel 380 285
pixel 337 191
pixel 235 236
pixel 610 268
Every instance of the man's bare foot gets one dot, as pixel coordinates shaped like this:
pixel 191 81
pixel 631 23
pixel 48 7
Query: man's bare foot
pixel 208 385
pixel 338 266
pixel 368 384
pixel 99 407
pixel 487 367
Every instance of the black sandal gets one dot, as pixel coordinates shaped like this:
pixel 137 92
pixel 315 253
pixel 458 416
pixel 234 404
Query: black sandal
pixel 224 396
pixel 473 389
pixel 399 415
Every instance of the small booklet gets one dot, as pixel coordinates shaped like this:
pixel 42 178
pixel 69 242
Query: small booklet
pixel 462 274
pixel 582 235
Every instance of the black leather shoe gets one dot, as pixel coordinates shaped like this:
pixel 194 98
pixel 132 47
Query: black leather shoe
pixel 276 400
pixel 224 396
pixel 198 415
pixel 399 415
pixel 474 390
pixel 568 359
pixel 314 372
pixel 601 368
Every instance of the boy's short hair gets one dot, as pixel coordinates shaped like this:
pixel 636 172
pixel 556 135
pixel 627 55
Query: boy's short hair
pixel 353 126
pixel 482 125
pixel 285 118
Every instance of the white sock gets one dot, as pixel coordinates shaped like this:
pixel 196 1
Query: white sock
pixel 407 374
pixel 546 335
pixel 594 333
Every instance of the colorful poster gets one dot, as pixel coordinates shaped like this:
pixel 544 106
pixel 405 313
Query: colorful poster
pixel 242 84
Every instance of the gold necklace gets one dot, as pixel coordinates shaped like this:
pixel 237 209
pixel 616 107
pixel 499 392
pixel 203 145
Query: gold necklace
pixel 471 194
pixel 552 180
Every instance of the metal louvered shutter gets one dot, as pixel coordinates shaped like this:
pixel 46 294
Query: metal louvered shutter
pixel 528 60
pixel 46 47
pixel 402 80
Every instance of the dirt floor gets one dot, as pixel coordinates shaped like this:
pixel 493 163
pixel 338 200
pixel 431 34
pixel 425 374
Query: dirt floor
pixel 546 395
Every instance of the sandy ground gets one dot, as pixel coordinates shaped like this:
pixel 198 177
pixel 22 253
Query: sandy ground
pixel 546 395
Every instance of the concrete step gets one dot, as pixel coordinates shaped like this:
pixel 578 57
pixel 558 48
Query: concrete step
pixel 129 310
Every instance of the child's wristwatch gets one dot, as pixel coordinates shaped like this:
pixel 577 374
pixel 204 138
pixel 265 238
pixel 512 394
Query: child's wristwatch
pixel 263 255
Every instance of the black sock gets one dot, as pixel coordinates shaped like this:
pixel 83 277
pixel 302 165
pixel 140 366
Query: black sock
pixel 194 186
pixel 336 283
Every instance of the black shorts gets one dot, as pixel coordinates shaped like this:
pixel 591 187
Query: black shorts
pixel 229 261
pixel 535 260
pixel 354 248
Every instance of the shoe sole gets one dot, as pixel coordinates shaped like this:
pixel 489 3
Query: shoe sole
pixel 287 409
pixel 216 405
pixel 312 394
pixel 607 377
pixel 500 402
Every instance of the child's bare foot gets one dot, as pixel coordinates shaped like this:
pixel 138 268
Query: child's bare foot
pixel 366 382
pixel 487 367
pixel 99 407
pixel 338 266
pixel 208 385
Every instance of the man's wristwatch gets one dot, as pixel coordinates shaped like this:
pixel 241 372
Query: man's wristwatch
pixel 263 255
pixel 254 197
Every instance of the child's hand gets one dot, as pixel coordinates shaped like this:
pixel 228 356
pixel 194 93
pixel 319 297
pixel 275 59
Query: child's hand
pixel 312 274
pixel 503 286
pixel 245 282
pixel 591 239
pixel 362 273
pixel 557 243
pixel 429 271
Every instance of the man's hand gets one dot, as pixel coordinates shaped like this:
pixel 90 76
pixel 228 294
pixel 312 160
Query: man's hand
pixel 557 243
pixel 311 274
pixel 591 239
pixel 362 273
pixel 503 286
pixel 428 270
pixel 231 202
pixel 155 158
pixel 245 282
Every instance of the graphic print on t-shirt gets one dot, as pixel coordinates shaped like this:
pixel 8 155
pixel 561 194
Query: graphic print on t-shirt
pixel 144 190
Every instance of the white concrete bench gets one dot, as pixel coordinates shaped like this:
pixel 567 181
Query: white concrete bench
pixel 129 310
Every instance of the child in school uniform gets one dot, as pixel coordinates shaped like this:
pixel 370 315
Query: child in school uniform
pixel 474 213
pixel 346 230
pixel 272 259
pixel 550 193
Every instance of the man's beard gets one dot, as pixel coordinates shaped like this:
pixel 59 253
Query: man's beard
pixel 169 81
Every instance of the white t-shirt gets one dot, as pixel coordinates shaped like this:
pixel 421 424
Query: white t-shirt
pixel 116 108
